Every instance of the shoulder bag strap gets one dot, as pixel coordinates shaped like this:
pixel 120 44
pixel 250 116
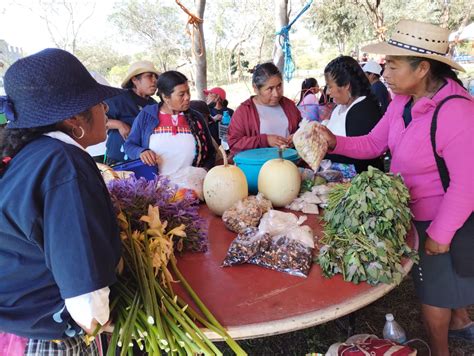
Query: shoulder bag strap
pixel 442 169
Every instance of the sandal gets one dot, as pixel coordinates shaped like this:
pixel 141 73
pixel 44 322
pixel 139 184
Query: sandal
pixel 466 333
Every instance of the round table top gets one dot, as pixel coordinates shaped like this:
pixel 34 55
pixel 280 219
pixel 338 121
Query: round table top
pixel 252 301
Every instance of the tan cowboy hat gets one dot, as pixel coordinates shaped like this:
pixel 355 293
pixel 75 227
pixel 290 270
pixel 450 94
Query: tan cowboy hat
pixel 139 68
pixel 418 39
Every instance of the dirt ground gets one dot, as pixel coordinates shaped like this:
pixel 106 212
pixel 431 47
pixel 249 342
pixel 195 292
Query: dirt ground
pixel 401 302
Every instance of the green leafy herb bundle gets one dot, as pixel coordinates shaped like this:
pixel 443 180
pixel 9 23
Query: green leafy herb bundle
pixel 366 225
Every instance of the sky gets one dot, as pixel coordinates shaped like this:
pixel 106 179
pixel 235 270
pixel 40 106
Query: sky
pixel 20 27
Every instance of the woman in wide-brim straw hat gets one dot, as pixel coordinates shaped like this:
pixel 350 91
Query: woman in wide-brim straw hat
pixel 59 241
pixel 421 77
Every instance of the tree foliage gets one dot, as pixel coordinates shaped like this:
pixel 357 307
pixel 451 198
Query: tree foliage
pixel 157 27
pixel 350 24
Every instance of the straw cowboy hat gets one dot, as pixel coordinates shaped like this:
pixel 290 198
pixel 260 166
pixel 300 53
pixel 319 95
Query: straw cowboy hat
pixel 139 68
pixel 418 39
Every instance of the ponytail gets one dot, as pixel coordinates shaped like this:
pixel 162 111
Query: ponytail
pixel 13 140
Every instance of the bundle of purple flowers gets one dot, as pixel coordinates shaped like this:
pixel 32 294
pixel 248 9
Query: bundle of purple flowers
pixel 132 196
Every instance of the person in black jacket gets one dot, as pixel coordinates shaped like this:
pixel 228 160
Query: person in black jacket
pixel 357 110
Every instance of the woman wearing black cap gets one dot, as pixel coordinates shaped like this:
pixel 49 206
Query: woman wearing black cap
pixel 59 241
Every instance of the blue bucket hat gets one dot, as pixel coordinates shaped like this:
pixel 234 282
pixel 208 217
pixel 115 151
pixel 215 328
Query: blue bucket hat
pixel 48 87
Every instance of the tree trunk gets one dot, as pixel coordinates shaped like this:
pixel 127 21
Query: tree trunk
pixel 281 19
pixel 199 51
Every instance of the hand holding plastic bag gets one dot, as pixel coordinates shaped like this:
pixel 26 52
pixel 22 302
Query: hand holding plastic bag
pixel 310 143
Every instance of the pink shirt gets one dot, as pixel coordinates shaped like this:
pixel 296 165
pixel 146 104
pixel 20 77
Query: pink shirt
pixel 412 157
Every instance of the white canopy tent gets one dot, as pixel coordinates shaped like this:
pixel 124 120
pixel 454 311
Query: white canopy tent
pixel 466 34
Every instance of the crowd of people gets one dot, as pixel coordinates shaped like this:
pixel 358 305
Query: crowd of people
pixel 55 109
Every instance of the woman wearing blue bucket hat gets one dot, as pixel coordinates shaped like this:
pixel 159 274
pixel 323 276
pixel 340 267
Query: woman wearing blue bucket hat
pixel 59 242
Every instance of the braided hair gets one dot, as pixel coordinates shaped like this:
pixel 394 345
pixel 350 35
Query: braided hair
pixel 346 70
pixel 167 81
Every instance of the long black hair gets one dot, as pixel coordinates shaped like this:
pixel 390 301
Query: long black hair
pixel 262 72
pixel 307 84
pixel 346 70
pixel 167 81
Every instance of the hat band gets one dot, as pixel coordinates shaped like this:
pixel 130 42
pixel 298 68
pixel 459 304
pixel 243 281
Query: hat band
pixel 413 48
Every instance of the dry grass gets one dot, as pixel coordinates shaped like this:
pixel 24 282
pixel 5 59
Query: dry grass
pixel 401 302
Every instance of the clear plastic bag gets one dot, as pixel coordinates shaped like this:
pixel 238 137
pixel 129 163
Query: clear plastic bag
pixel 246 213
pixel 291 247
pixel 328 173
pixel 310 143
pixel 275 222
pixel 191 178
pixel 286 254
pixel 249 243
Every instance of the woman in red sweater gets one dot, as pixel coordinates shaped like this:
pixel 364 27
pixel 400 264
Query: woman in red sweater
pixel 267 119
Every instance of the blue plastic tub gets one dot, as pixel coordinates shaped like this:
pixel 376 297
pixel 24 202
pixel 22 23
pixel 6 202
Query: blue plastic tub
pixel 251 161
pixel 139 168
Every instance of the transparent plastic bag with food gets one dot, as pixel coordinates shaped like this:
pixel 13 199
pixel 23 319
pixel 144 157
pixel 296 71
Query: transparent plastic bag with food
pixel 249 243
pixel 290 252
pixel 290 249
pixel 310 143
pixel 246 213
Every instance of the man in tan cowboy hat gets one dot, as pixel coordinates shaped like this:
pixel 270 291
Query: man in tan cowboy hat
pixel 140 83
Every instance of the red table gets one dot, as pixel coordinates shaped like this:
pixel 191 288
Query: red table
pixel 253 301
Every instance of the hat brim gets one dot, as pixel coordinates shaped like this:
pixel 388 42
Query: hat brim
pixel 63 107
pixel 136 72
pixel 389 50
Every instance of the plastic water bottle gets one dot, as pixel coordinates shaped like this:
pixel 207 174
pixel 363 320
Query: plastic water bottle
pixel 393 331
pixel 223 127
pixel 225 118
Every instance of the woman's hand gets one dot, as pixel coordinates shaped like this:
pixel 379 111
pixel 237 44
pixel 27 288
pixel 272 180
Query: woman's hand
pixel 435 248
pixel 329 136
pixel 149 157
pixel 289 141
pixel 95 327
pixel 276 141
pixel 124 130
pixel 217 117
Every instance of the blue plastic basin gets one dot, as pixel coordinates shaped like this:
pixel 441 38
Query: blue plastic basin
pixel 139 168
pixel 251 161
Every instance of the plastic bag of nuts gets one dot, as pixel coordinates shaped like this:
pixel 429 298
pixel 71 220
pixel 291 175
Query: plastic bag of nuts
pixel 249 243
pixel 246 213
pixel 291 252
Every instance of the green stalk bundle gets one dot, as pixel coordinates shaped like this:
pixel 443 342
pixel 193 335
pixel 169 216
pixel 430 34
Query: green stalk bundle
pixel 146 311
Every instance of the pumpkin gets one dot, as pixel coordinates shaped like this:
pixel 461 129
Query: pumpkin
pixel 279 181
pixel 224 186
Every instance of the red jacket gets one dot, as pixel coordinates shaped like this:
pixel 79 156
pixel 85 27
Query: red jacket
pixel 244 129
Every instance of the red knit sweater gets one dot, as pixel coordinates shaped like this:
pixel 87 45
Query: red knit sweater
pixel 244 130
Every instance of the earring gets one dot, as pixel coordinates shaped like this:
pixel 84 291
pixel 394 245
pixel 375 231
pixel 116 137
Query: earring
pixel 78 137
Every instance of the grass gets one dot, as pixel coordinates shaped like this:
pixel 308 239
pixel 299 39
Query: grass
pixel 401 302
